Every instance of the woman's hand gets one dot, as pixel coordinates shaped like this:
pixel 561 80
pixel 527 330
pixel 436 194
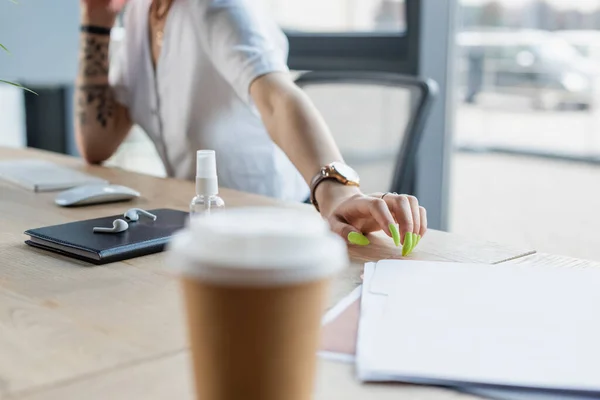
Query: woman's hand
pixel 357 214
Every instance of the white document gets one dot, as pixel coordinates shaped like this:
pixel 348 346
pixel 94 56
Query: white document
pixel 42 176
pixel 460 324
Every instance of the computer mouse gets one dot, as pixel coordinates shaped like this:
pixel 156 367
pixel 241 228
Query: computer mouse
pixel 94 194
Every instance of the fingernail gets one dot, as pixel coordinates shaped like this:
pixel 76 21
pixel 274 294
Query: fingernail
pixel 358 239
pixel 395 234
pixel 407 245
pixel 418 239
pixel 415 241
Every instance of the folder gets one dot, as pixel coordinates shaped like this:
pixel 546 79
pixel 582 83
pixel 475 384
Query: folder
pixel 500 327
pixel 340 326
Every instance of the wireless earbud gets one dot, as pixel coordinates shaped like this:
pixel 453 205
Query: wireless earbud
pixel 133 214
pixel 118 226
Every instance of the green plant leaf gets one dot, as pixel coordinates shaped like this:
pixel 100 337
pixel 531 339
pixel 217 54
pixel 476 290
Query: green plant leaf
pixel 17 85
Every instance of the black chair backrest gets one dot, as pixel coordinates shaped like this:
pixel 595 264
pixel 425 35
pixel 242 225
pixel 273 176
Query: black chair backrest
pixel 427 89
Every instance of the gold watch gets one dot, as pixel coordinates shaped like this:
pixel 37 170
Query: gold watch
pixel 337 171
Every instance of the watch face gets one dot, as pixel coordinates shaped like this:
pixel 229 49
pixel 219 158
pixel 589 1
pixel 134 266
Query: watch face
pixel 345 171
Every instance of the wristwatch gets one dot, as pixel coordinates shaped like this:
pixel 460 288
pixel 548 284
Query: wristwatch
pixel 337 171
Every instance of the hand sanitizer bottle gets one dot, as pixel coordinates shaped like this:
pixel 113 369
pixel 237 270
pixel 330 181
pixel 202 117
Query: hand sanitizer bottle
pixel 207 186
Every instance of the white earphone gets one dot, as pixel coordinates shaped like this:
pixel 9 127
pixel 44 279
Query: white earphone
pixel 133 214
pixel 118 226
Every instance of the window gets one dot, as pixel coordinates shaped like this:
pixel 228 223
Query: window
pixel 349 34
pixel 339 15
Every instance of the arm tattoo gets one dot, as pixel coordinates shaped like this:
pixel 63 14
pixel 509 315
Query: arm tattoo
pixel 95 57
pixel 99 95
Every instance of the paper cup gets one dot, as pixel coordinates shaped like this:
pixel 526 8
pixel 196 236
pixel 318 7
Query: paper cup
pixel 255 283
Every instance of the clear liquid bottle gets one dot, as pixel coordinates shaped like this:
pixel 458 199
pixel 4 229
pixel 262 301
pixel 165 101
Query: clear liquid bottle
pixel 207 186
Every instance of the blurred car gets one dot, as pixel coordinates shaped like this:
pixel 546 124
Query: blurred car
pixel 587 42
pixel 537 64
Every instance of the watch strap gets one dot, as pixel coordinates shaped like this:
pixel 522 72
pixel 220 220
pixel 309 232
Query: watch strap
pixel 328 172
pixel 316 181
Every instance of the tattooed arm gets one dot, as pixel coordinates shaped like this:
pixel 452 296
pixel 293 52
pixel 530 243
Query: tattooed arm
pixel 101 123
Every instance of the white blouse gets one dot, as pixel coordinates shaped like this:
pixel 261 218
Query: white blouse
pixel 198 98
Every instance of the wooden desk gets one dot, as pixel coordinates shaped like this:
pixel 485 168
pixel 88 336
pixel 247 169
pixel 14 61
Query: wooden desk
pixel 69 330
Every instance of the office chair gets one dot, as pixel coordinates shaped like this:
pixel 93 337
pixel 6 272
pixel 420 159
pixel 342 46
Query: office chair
pixel 382 146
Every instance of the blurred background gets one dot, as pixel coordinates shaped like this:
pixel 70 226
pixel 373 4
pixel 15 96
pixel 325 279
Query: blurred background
pixel 511 149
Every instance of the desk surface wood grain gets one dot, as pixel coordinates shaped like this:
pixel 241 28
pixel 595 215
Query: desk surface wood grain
pixel 69 330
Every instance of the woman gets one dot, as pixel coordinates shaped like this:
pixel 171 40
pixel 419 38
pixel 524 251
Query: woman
pixel 198 74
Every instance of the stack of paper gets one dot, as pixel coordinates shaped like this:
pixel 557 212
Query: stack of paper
pixel 504 332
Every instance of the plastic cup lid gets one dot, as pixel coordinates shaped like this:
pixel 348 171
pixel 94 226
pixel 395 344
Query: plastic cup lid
pixel 258 246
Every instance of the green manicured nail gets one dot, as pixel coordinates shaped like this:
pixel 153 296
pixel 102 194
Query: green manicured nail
pixel 407 245
pixel 358 239
pixel 415 241
pixel 395 234
pixel 418 239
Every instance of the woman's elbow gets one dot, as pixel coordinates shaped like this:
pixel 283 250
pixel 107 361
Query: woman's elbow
pixel 92 155
pixel 93 159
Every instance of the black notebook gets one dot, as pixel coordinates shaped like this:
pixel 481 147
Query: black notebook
pixel 77 240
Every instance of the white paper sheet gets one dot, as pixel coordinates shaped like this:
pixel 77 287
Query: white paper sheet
pixel 457 324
